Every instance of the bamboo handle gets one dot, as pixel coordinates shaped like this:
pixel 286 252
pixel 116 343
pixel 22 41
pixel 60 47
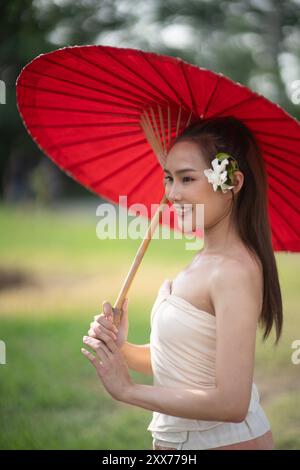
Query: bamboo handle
pixel 136 262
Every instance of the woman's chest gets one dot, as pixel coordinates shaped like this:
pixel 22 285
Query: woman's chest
pixel 193 285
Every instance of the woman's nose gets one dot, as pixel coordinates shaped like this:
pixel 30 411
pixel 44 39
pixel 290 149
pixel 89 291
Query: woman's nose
pixel 174 194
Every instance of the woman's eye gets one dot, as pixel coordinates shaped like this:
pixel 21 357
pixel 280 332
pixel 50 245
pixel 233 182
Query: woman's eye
pixel 184 179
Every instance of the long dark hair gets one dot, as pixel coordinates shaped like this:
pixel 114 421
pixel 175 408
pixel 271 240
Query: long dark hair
pixel 250 213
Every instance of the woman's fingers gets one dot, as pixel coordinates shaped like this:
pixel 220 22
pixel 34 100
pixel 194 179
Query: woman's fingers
pixel 107 311
pixel 102 332
pixel 103 327
pixel 93 359
pixel 99 348
pixel 102 320
pixel 96 330
pixel 107 325
pixel 108 347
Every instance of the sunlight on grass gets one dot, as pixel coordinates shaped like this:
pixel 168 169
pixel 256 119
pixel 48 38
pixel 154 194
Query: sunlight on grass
pixel 52 397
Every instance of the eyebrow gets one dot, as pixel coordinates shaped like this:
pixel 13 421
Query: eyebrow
pixel 179 171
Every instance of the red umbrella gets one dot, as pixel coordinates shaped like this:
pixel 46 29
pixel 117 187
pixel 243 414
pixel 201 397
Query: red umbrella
pixel 107 116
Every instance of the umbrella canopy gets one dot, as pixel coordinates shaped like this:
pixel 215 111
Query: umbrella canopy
pixel 107 117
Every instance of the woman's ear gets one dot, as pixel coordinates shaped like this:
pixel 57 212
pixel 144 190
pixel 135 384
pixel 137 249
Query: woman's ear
pixel 238 181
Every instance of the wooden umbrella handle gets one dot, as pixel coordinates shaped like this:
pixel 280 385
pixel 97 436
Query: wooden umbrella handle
pixel 136 262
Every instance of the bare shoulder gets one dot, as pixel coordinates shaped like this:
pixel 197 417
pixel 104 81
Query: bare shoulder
pixel 239 264
pixel 239 277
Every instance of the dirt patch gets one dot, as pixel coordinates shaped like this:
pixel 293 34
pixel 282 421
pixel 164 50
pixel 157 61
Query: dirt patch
pixel 12 278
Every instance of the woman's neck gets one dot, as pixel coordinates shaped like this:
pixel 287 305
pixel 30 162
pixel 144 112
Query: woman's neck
pixel 221 237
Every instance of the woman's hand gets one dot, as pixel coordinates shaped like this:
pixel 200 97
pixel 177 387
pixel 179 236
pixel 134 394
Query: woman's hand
pixel 103 328
pixel 106 341
pixel 110 365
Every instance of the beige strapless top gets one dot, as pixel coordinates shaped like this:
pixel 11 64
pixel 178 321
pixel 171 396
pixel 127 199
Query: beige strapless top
pixel 183 353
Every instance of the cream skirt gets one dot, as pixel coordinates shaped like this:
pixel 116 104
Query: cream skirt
pixel 255 424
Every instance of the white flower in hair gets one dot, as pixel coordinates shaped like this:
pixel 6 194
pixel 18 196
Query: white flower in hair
pixel 218 176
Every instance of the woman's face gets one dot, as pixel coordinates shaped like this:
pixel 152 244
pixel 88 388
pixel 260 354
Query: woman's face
pixel 191 187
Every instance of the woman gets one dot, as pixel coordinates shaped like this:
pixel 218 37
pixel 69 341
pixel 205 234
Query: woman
pixel 203 324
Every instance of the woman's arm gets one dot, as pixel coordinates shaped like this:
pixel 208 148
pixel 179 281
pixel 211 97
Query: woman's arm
pixel 138 357
pixel 236 299
pixel 199 404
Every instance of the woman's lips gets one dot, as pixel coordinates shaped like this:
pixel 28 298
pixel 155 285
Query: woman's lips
pixel 183 211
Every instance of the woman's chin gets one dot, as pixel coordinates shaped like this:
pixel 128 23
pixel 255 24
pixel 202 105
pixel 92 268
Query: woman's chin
pixel 186 227
pixel 192 221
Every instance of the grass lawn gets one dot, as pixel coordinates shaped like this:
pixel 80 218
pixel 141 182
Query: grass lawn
pixel 50 395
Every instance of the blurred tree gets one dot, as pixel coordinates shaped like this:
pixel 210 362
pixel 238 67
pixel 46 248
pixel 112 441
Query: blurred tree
pixel 255 42
pixel 29 28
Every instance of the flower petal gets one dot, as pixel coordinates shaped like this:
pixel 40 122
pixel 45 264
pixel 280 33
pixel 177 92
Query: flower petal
pixel 215 164
pixel 223 164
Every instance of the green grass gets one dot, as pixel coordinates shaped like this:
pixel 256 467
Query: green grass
pixel 51 397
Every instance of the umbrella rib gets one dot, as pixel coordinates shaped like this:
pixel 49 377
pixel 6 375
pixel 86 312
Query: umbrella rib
pixel 85 98
pixel 211 95
pixel 255 119
pixel 164 80
pixel 91 124
pixel 178 122
pixel 148 187
pixel 76 110
pixel 271 164
pixel 88 87
pixel 281 136
pixel 161 120
pixel 94 139
pixel 274 233
pixel 293 193
pixel 287 162
pixel 185 76
pixel 188 120
pixel 155 175
pixel 150 94
pixel 124 166
pixel 94 184
pixel 277 147
pixel 169 127
pixel 156 130
pixel 159 146
pixel 285 225
pixel 107 154
pixel 239 103
pixel 141 182
pixel 274 228
pixel 112 86
pixel 142 77
pixel 149 133
pixel 280 214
